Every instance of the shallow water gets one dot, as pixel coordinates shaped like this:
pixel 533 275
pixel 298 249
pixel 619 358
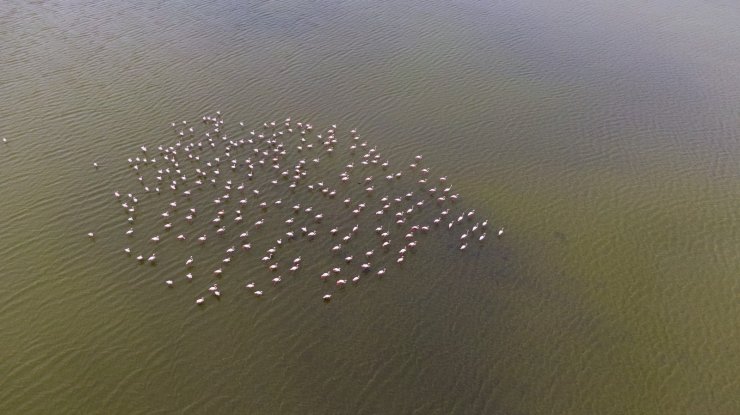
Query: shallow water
pixel 602 135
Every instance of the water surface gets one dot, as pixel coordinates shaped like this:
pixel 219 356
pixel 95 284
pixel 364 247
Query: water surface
pixel 603 135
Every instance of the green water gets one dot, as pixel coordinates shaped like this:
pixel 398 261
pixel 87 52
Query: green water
pixel 602 135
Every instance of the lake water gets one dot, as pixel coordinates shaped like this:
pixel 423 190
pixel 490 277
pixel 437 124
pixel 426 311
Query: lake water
pixel 602 135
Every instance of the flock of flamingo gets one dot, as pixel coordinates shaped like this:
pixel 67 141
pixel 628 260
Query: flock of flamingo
pixel 294 187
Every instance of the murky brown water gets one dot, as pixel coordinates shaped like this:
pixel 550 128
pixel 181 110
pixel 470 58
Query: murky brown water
pixel 602 135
